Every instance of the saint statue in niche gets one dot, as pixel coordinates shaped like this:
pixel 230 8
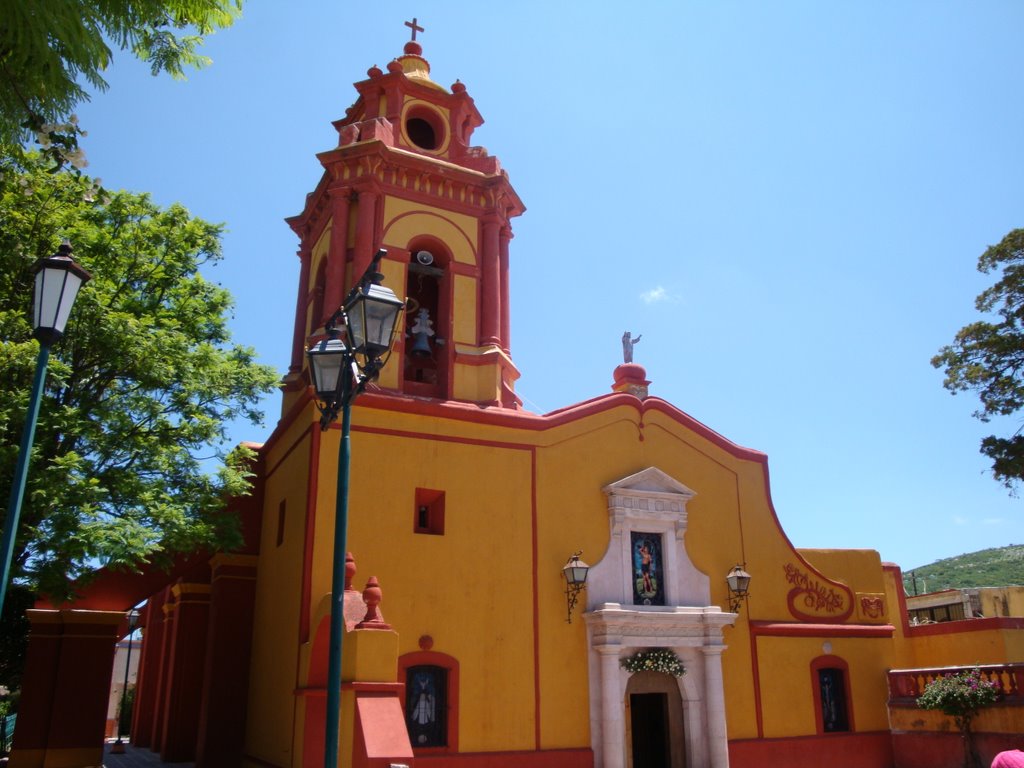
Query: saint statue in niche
pixel 648 569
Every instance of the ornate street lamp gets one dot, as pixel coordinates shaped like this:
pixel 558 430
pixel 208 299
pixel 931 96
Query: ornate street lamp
pixel 117 748
pixel 58 279
pixel 575 574
pixel 739 587
pixel 340 368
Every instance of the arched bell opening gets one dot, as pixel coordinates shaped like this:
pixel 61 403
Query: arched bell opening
pixel 428 348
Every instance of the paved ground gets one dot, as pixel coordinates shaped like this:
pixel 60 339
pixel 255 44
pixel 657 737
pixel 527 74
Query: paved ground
pixel 137 758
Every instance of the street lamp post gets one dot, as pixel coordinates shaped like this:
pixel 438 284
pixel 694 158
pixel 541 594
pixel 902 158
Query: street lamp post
pixel 367 319
pixel 57 280
pixel 117 748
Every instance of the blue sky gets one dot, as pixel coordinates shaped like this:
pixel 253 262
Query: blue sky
pixel 787 200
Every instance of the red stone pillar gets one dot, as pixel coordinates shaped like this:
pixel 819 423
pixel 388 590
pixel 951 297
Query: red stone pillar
pixel 490 284
pixel 366 230
pixel 164 665
pixel 337 252
pixel 301 310
pixel 228 650
pixel 147 687
pixel 186 664
pixel 65 689
pixel 506 319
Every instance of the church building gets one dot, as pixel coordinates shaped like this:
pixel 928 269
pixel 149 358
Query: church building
pixel 467 644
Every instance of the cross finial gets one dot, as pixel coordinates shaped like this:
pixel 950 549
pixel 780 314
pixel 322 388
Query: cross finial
pixel 414 27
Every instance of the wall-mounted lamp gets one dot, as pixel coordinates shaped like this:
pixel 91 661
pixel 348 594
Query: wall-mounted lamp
pixel 575 574
pixel 739 587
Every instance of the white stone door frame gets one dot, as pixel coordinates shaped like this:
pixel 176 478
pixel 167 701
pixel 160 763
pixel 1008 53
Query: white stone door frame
pixel 652 502
pixel 695 635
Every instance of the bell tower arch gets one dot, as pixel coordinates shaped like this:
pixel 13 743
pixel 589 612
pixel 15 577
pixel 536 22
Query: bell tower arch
pixel 405 177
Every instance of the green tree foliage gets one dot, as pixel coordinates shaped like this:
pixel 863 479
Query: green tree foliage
pixel 139 390
pixel 994 567
pixel 51 49
pixel 987 356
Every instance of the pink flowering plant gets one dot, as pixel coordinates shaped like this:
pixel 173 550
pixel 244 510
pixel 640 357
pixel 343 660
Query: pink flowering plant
pixel 961 696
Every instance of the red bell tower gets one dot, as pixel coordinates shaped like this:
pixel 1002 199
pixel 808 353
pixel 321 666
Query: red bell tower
pixel 405 177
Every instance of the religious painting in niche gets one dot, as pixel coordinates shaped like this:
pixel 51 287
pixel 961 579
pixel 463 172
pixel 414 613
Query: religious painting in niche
pixel 648 569
pixel 833 700
pixel 426 706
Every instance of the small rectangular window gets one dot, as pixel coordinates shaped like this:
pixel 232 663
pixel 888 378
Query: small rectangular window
pixel 429 512
pixel 280 522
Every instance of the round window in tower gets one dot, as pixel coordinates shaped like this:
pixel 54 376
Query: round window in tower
pixel 424 128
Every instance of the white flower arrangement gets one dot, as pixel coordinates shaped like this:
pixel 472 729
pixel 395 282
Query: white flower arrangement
pixel 654 660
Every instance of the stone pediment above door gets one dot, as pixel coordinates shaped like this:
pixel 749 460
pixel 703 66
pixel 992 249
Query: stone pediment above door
pixel 648 495
pixel 646 566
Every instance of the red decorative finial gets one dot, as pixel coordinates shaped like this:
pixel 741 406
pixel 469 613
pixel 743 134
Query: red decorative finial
pixel 372 596
pixel 350 571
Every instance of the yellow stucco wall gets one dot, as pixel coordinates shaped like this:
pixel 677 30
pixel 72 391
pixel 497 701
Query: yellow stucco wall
pixel 488 591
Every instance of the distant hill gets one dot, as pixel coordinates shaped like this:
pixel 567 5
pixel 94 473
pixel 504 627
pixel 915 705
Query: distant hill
pixel 998 567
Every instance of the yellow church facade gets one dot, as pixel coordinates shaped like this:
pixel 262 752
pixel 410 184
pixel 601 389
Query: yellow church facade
pixel 478 504
pixel 463 650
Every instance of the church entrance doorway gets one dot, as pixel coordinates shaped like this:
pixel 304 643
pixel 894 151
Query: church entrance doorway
pixel 649 721
pixel 654 717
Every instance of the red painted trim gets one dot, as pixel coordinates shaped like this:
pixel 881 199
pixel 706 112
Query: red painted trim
pixel 786 629
pixel 548 758
pixel 901 594
pixel 994 623
pixel 831 662
pixel 835 750
pixel 404 434
pixel 307 546
pixel 451 664
pixel 756 667
pixel 534 536
pixel 304 399
pixel 295 444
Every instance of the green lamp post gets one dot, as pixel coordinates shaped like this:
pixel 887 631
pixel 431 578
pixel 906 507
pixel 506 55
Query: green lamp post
pixel 341 366
pixel 57 280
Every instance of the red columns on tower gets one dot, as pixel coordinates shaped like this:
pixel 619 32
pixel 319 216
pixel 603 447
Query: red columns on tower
pixel 506 320
pixel 366 231
pixel 490 284
pixel 301 304
pixel 337 252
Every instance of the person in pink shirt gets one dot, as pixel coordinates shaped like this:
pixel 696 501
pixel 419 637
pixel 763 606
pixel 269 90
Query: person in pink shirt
pixel 1014 758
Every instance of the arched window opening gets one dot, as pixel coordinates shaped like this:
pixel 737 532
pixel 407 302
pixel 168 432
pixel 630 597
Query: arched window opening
pixel 431 699
pixel 831 688
pixel 316 316
pixel 427 326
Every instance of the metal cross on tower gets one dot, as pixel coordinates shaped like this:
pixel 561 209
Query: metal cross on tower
pixel 414 27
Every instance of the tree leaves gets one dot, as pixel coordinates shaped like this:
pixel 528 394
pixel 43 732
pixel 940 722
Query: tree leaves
pixel 47 47
pixel 140 388
pixel 987 356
